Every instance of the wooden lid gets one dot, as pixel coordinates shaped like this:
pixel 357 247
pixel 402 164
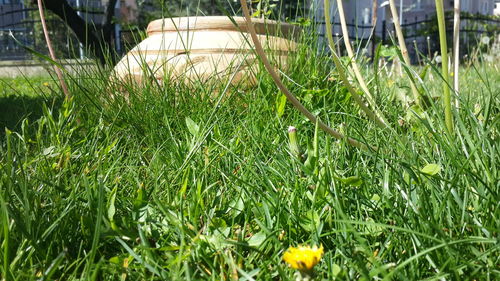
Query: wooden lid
pixel 222 23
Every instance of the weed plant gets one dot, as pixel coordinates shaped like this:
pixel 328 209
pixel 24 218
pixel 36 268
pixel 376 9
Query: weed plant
pixel 198 182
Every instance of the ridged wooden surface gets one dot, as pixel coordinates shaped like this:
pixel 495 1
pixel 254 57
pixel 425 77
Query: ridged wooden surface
pixel 200 49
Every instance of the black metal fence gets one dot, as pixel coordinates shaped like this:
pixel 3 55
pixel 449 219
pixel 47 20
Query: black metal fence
pixel 21 21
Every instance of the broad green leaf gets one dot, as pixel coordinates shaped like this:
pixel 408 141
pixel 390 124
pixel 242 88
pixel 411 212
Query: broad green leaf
pixel 257 239
pixel 111 204
pixel 237 206
pixel 352 181
pixel 111 146
pixel 390 52
pixel 372 228
pixel 193 128
pixel 50 151
pixel 116 260
pixel 431 169
pixel 140 200
pixel 336 269
pixel 280 105
pixel 375 197
pixel 310 221
pixel 185 181
pixel 311 163
pixel 423 72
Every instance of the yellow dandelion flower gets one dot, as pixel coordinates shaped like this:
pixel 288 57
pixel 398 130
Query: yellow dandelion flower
pixel 46 84
pixel 303 258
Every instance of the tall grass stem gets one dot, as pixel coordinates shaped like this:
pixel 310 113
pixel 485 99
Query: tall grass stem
pixel 444 66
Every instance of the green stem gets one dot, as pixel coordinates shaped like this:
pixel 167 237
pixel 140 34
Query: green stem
pixel 444 66
pixel 4 213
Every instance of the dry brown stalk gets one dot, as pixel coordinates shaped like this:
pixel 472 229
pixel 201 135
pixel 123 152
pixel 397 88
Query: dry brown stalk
pixel 51 51
pixel 402 46
pixel 296 103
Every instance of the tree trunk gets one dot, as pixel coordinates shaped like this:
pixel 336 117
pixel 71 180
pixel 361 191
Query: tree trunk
pixel 96 40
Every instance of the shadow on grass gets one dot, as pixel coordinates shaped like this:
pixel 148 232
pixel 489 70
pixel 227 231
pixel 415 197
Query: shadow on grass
pixel 15 108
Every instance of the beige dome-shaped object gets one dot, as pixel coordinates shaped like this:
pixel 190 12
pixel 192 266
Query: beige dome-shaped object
pixel 198 48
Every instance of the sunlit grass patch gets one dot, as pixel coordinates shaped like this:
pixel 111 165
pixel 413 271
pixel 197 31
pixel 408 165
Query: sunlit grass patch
pixel 172 183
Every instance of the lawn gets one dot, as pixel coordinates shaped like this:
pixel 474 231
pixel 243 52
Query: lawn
pixel 199 182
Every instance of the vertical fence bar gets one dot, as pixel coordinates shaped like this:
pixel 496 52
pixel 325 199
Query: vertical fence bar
pixel 456 47
pixel 384 29
pixel 118 46
pixel 79 13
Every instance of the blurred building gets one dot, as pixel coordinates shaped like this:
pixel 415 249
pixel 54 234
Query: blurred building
pixel 360 12
pixel 417 17
pixel 496 9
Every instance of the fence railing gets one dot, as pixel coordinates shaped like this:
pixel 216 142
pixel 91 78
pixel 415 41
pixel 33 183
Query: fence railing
pixel 19 21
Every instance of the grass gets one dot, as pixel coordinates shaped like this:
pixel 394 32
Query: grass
pixel 176 184
pixel 22 98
